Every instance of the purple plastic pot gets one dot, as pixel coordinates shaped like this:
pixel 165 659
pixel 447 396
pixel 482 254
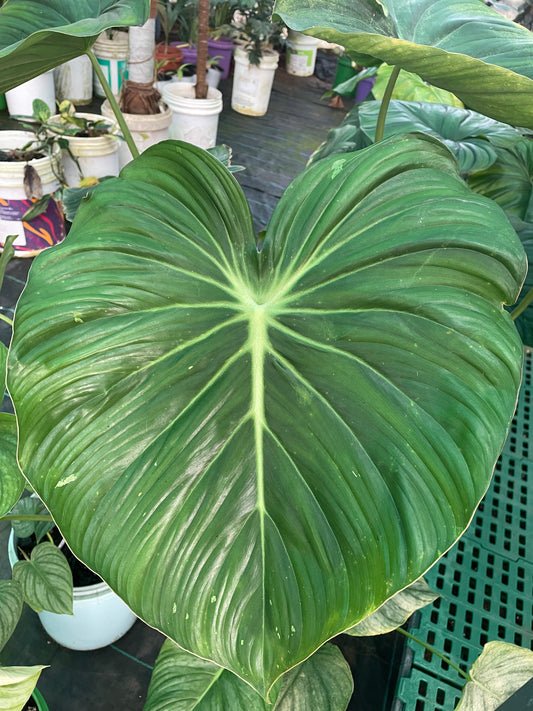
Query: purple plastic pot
pixel 221 48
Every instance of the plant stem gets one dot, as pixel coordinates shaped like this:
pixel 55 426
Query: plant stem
pixel 26 517
pixel 6 319
pixel 380 126
pixel 114 106
pixel 522 306
pixel 437 653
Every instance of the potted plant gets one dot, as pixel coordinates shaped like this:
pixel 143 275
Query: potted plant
pixel 259 447
pixel 168 12
pixel 255 59
pixel 30 182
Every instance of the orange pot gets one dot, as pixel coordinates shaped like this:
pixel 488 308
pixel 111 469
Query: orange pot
pixel 171 56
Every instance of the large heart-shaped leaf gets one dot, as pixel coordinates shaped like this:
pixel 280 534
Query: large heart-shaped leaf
pixel 11 603
pixel 37 35
pixel 257 449
pixel 470 136
pixel 16 686
pixel 46 580
pixel 11 480
pixel 462 46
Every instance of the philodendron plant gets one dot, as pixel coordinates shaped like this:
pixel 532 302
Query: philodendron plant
pixel 257 448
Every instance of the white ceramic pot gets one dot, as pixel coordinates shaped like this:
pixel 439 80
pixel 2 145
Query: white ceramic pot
pixel 252 85
pixel 146 130
pixel 193 120
pixel 112 55
pixel 74 80
pixel 100 616
pixel 97 156
pixel 46 229
pixel 20 99
pixel 301 54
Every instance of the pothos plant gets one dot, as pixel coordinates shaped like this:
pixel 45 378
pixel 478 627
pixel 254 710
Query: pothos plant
pixel 257 448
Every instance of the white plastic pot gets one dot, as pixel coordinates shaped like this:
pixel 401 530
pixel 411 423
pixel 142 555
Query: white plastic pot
pixel 214 75
pixel 252 85
pixel 74 80
pixel 97 155
pixel 20 99
pixel 193 120
pixel 112 55
pixel 44 230
pixel 301 54
pixel 146 130
pixel 100 616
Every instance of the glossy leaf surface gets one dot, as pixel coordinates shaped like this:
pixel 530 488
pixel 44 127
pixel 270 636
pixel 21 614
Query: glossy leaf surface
pixel 461 46
pixel 16 686
pixel 11 480
pixel 471 137
pixel 397 610
pixel 410 87
pixel 497 673
pixel 181 681
pixel 508 180
pixel 257 449
pixel 37 35
pixel 11 603
pixel 46 580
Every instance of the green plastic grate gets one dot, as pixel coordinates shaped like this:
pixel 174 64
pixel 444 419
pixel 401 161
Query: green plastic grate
pixel 485 580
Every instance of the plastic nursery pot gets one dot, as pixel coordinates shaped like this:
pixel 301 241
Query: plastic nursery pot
pixel 223 49
pixel 112 55
pixel 100 616
pixel 42 231
pixel 301 54
pixel 20 99
pixel 170 56
pixel 193 120
pixel 74 80
pixel 345 71
pixel 97 155
pixel 146 129
pixel 252 85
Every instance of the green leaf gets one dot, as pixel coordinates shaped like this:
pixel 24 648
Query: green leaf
pixel 324 681
pixel 508 180
pixel 11 480
pixel 499 672
pixel 472 137
pixel 410 87
pixel 396 611
pixel 30 506
pixel 16 686
pixel 266 445
pixel 37 35
pixel 7 254
pixel 463 47
pixel 11 603
pixel 345 138
pixel 41 110
pixel 180 681
pixel 46 580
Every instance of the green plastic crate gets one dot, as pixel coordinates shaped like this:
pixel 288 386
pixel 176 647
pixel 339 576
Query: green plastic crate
pixel 485 580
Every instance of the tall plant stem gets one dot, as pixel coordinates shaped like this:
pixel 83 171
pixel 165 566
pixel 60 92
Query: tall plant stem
pixel 437 653
pixel 522 306
pixel 201 56
pixel 114 106
pixel 380 126
pixel 6 319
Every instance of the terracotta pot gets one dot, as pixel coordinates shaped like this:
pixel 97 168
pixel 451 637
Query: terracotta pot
pixel 172 57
